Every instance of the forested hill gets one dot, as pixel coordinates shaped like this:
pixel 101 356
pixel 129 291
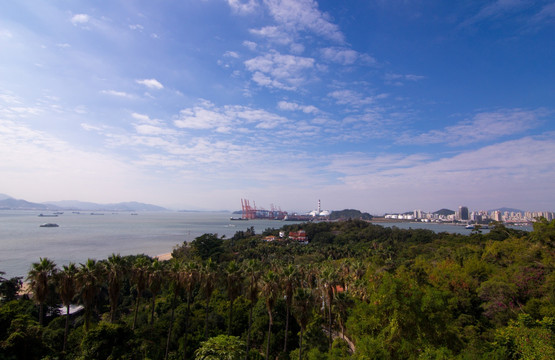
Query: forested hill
pixel 355 291
pixel 349 214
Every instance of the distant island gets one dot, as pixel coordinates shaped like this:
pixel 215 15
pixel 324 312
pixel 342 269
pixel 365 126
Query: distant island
pixel 350 214
pixel 9 203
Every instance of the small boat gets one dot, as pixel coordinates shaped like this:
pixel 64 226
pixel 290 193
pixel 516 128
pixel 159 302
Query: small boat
pixel 47 215
pixel 49 225
pixel 237 219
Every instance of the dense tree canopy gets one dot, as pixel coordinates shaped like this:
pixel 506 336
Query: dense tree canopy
pixel 357 290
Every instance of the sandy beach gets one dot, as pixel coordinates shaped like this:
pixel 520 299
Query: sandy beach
pixel 163 257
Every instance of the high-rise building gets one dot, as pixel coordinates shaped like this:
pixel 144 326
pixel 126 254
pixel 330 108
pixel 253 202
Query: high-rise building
pixel 463 213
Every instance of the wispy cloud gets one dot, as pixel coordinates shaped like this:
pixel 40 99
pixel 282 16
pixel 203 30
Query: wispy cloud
pixel 222 119
pixel 121 94
pixel 150 83
pixel 274 34
pixel 400 79
pixel 496 9
pixel 484 126
pixel 137 27
pixel 286 72
pixel 354 98
pixel 304 15
pixel 243 6
pixel 547 13
pixel 346 56
pixel 307 109
pixel 485 175
pixel 24 149
pixel 5 34
pixel 80 19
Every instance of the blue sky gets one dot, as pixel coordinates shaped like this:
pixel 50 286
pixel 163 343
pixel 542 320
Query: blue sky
pixel 375 105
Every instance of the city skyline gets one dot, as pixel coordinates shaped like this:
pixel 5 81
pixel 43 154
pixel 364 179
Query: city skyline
pixel 373 105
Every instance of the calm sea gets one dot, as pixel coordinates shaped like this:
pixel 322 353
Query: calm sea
pixel 82 236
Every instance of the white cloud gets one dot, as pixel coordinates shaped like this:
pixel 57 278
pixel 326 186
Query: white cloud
pixel 243 6
pixel 231 54
pixel 66 171
pixel 5 34
pixel 150 83
pixel 280 71
pixel 138 27
pixel 251 45
pixel 122 94
pixel 496 9
pixel 484 126
pixel 10 99
pixel 307 109
pixel 340 55
pixel 350 97
pixel 398 79
pixel 304 15
pixel 297 48
pixel 481 177
pixel 546 13
pixel 146 129
pixel 79 19
pixel 274 34
pixel 207 116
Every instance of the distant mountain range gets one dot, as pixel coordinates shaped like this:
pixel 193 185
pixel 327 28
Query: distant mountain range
pixel 9 203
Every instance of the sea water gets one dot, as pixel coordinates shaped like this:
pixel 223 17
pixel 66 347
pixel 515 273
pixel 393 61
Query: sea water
pixel 82 236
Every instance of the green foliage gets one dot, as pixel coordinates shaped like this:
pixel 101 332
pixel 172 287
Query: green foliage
pixel 108 341
pixel 207 246
pixel 349 214
pixel 9 288
pixel 221 347
pixel 527 339
pixel 393 293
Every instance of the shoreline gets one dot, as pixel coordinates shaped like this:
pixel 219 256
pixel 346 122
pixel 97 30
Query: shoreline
pixel 164 256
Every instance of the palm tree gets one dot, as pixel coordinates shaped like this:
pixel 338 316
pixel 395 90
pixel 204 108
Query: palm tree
pixel 155 280
pixel 234 278
pixel 189 276
pixel 139 273
pixel 289 281
pixel 115 269
pixel 175 278
pixel 252 269
pixel 328 283
pixel 302 304
pixel 88 280
pixel 208 274
pixel 39 277
pixel 67 289
pixel 270 289
pixel 343 303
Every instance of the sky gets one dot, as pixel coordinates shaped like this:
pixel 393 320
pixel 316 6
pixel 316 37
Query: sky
pixel 376 105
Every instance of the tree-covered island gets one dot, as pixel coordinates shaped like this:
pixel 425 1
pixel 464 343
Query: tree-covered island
pixel 355 291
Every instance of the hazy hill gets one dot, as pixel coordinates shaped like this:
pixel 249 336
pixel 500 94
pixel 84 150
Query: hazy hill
pixel 444 212
pixel 9 203
pixel 15 204
pixel 88 206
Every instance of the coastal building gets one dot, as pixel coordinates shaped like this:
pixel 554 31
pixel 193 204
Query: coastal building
pixel 463 213
pixel 299 236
